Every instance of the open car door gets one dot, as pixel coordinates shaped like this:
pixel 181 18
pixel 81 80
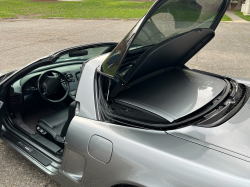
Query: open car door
pixel 39 150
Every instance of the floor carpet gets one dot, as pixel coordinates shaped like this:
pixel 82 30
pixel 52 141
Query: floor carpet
pixel 34 113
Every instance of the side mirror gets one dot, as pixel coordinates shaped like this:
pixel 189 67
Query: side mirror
pixel 78 53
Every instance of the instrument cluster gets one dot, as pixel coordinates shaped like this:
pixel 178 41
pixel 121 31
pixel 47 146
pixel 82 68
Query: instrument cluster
pixel 31 85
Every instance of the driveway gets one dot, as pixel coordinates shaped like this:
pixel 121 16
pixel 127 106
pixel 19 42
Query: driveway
pixel 23 41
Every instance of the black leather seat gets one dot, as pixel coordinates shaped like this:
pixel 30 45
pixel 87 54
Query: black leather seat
pixel 55 126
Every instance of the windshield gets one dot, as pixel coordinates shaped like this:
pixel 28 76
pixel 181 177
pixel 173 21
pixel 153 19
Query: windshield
pixel 78 56
pixel 172 18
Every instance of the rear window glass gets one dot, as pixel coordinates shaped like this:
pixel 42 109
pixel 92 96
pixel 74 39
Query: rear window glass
pixel 172 18
pixel 176 17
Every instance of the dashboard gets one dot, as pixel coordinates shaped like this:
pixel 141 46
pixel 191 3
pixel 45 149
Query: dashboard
pixel 27 86
pixel 30 86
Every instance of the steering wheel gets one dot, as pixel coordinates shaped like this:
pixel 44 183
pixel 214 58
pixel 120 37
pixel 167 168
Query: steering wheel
pixel 49 85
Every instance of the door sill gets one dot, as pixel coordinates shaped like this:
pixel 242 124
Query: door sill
pixel 28 139
pixel 31 153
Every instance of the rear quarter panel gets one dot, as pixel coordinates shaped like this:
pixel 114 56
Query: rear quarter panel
pixel 153 158
pixel 145 157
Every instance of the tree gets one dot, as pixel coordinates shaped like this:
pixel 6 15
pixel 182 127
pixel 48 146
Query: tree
pixel 239 4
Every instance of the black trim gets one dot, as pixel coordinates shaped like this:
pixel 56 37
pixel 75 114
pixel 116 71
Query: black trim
pixel 123 185
pixel 59 53
pixel 71 114
pixel 192 119
pixel 220 14
pixel 230 114
pixel 164 55
pixel 50 147
pixel 54 148
pixel 27 148
pixel 150 12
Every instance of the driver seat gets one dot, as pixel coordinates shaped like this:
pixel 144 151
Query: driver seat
pixel 55 126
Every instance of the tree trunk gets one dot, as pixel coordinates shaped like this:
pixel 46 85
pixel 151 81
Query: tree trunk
pixel 239 4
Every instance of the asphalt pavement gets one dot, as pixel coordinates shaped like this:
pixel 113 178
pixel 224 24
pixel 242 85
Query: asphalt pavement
pixel 23 41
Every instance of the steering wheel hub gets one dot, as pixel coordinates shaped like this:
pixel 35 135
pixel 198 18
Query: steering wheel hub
pixel 52 84
pixel 49 85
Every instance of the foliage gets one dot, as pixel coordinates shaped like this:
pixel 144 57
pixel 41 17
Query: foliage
pixel 239 4
pixel 226 18
pixel 240 14
pixel 91 9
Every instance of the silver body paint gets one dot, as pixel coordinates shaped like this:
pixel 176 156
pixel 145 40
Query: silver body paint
pixel 192 91
pixel 102 154
pixel 192 156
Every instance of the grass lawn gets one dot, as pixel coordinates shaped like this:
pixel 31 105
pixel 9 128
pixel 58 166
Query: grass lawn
pixel 226 18
pixel 240 14
pixel 92 9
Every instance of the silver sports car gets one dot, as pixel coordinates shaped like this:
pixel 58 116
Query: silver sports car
pixel 132 114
